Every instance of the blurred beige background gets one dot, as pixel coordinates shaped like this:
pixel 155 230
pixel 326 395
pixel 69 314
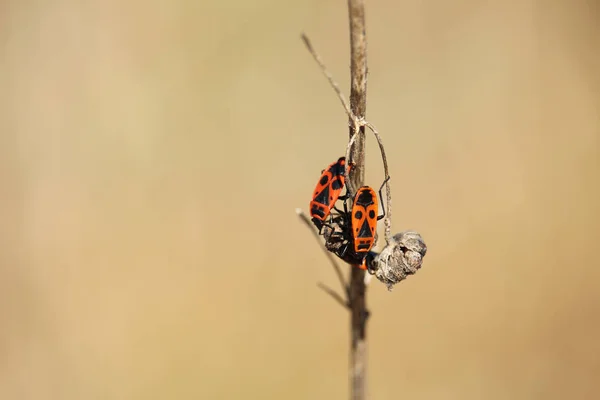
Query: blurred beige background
pixel 152 154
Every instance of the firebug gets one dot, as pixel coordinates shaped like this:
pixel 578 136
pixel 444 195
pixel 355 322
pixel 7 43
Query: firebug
pixel 352 234
pixel 364 219
pixel 327 191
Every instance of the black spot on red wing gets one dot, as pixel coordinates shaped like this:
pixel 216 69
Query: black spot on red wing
pixel 364 246
pixel 371 214
pixel 324 180
pixel 336 184
pixel 358 214
pixel 365 230
pixel 323 197
pixel 317 212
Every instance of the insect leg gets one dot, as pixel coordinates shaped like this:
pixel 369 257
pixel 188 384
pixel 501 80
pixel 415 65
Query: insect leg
pixel 381 199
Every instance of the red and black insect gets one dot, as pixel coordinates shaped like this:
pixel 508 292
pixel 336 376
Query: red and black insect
pixel 327 191
pixel 353 234
pixel 364 219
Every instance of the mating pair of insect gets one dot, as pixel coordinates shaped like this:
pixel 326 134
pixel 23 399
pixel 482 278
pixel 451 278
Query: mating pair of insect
pixel 349 235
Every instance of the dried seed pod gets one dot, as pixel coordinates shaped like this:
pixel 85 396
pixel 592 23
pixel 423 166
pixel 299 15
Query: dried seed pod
pixel 402 257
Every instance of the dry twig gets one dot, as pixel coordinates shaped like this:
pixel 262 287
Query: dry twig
pixel 326 72
pixel 358 106
pixel 334 294
pixel 330 256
